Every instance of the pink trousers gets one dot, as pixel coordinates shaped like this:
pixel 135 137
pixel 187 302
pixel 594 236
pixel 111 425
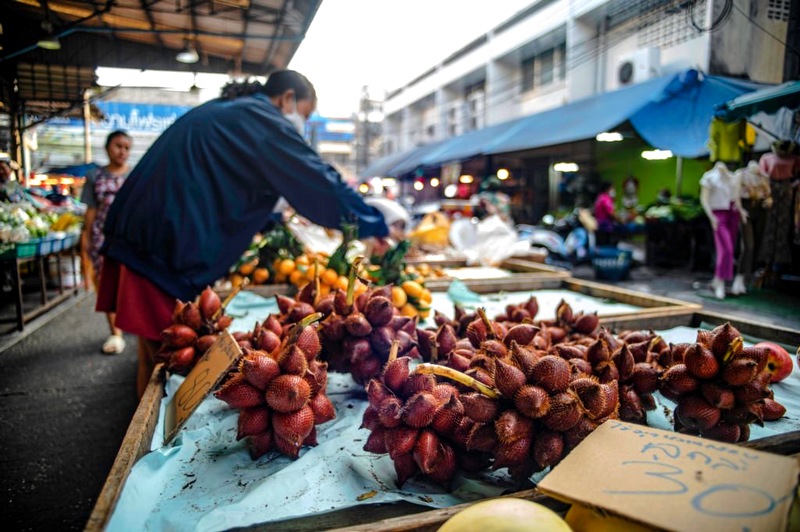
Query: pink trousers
pixel 725 242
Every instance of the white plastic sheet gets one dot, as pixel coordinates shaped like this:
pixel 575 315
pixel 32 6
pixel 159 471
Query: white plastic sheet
pixel 205 480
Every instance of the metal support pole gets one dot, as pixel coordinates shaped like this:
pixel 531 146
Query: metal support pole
pixel 87 136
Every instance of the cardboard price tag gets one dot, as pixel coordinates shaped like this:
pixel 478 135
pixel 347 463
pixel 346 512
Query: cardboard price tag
pixel 676 482
pixel 205 375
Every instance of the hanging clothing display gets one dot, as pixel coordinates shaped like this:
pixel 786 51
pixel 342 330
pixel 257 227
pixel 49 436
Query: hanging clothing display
pixel 756 198
pixel 726 141
pixel 775 243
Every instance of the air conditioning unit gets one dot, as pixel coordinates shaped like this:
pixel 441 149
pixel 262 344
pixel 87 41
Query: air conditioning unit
pixel 637 66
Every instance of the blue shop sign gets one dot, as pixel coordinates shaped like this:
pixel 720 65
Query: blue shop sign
pixel 132 117
pixel 153 118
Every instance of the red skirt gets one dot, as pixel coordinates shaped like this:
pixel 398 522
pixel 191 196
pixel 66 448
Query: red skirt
pixel 142 308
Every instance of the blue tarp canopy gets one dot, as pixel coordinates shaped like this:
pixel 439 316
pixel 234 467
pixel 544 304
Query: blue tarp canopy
pixel 767 100
pixel 678 120
pixel 670 113
pixel 78 170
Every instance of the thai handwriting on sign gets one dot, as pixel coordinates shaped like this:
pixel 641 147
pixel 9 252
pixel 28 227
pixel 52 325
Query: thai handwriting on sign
pixel 195 390
pixel 664 465
pixel 211 367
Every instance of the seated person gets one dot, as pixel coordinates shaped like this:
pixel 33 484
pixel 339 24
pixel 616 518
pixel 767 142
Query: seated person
pixel 608 226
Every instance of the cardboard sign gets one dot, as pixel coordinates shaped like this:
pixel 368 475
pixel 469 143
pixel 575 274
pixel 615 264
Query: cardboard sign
pixel 203 377
pixel 676 482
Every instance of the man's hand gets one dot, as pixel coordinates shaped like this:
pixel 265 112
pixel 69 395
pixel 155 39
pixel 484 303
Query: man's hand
pixel 380 246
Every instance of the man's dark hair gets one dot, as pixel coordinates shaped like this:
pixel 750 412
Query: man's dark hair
pixel 277 83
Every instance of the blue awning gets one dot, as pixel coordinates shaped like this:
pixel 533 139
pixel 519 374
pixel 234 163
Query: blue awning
pixel 679 119
pixel 671 113
pixel 581 119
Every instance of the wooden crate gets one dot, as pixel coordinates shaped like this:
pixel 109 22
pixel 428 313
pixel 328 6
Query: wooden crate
pixel 651 305
pixel 135 445
pixel 404 516
pixel 455 261
pixel 523 274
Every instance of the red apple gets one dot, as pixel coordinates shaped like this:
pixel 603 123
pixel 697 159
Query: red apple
pixel 779 363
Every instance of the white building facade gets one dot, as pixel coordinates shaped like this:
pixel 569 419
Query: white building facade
pixel 558 51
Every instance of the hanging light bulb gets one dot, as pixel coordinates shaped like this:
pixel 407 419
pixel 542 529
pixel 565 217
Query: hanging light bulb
pixel 189 54
pixel 194 89
pixel 48 41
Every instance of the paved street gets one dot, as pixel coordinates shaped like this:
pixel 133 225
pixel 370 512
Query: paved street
pixel 65 407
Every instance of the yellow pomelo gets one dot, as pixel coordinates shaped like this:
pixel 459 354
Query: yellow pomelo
pixel 506 514
pixel 584 519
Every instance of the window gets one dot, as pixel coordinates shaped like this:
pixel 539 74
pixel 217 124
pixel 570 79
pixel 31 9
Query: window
pixel 562 61
pixel 431 131
pixel 547 62
pixel 778 10
pixel 527 74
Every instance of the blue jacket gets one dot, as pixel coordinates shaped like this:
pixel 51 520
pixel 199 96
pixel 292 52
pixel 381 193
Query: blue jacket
pixel 192 204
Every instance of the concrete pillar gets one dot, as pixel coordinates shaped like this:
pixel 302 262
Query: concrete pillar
pixel 582 60
pixel 502 91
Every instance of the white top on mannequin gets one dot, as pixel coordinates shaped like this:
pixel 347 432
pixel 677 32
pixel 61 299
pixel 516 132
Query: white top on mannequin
pixel 719 189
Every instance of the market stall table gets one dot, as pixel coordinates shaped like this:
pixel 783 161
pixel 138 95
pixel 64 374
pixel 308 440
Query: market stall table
pixel 39 252
pixel 210 452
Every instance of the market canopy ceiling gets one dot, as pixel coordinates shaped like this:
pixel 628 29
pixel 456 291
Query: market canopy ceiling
pixel 239 37
pixel 671 113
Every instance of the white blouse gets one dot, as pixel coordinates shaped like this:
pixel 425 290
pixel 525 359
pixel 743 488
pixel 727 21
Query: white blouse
pixel 723 187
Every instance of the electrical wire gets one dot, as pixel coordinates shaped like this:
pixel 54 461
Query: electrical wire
pixel 725 13
pixel 759 26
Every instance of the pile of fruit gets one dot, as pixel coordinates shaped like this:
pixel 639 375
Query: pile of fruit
pixel 280 393
pixel 522 394
pixel 195 327
pixel 472 393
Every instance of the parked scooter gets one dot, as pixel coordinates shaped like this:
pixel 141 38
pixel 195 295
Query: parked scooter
pixel 568 241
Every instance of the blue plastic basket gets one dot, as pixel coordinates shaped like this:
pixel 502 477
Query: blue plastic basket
pixel 611 264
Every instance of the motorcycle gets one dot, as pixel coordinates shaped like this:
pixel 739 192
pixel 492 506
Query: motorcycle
pixel 569 241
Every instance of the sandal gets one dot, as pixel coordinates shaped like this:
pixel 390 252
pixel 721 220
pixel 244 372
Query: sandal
pixel 114 345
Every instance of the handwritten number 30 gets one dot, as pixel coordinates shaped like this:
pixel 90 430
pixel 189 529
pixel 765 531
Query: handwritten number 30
pixel 707 501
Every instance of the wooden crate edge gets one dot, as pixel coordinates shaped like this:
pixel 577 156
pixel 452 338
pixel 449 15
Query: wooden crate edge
pixel 625 295
pixel 135 445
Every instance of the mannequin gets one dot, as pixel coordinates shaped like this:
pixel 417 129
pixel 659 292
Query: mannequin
pixel 781 166
pixel 756 199
pixel 720 195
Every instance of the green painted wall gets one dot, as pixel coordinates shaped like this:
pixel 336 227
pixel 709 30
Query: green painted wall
pixel 616 160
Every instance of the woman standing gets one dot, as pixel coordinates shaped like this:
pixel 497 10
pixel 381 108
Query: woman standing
pixel 98 193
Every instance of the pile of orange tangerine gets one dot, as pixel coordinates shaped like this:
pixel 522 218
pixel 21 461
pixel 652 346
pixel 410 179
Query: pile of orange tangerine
pixel 410 297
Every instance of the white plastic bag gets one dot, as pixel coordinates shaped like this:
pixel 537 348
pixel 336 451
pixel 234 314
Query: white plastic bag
pixel 495 242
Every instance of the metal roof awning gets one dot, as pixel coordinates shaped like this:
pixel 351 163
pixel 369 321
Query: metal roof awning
pixel 240 37
pixel 767 100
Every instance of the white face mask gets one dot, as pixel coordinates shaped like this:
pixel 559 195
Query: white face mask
pixel 297 120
